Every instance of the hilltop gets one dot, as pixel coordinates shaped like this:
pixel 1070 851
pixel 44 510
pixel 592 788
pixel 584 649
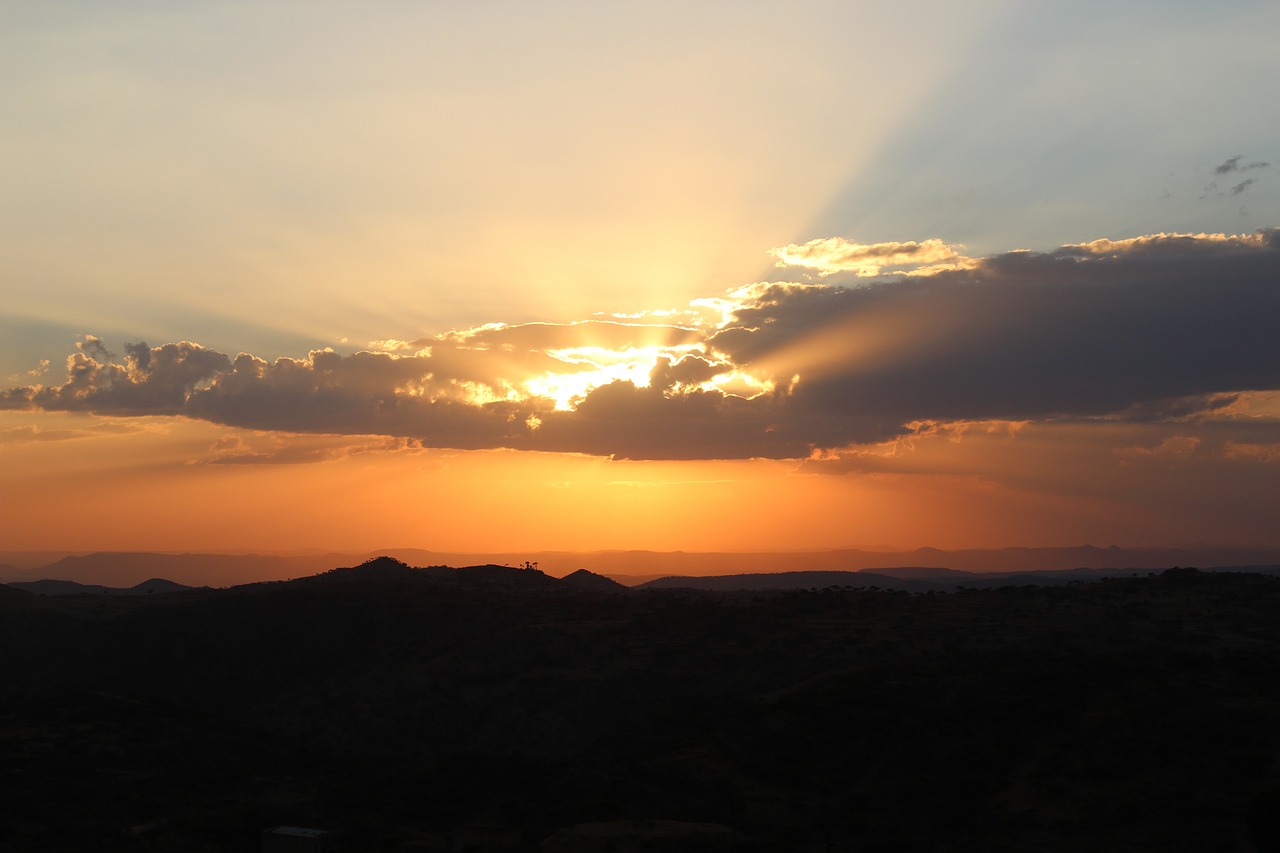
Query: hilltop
pixel 51 586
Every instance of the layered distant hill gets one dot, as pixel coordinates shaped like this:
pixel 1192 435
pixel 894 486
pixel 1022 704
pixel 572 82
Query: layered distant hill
pixel 57 587
pixel 120 569
pixel 908 578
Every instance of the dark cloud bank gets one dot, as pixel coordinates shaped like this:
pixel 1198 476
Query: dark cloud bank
pixel 1147 329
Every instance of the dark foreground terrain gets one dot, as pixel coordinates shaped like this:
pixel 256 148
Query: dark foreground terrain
pixel 494 708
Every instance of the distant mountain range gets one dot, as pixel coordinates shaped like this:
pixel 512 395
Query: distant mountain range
pixel 122 570
pixel 918 579
pixel 57 587
pixel 910 579
pixel 379 570
pixel 637 567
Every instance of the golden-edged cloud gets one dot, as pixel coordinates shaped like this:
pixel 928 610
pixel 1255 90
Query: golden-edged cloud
pixel 1164 328
pixel 865 260
pixel 1173 244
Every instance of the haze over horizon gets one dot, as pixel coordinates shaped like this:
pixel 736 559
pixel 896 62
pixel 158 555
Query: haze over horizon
pixel 512 278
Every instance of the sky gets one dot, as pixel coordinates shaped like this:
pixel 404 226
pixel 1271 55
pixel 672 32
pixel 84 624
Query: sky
pixel 672 276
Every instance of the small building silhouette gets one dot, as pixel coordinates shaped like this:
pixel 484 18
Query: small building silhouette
pixel 294 839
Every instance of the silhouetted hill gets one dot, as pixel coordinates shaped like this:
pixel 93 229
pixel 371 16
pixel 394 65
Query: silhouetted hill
pixel 490 576
pixel 905 578
pixel 53 586
pixel 929 573
pixel 777 581
pixel 384 570
pixel 377 570
pixel 14 595
pixel 1258 570
pixel 648 564
pixel 127 569
pixel 495 708
pixel 157 585
pixel 389 570
pixel 14 565
pixel 583 579
pixel 60 587
pixel 627 567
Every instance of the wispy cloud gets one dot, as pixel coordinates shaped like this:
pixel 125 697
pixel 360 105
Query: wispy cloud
pixel 1241 187
pixel 273 449
pixel 1166 327
pixel 1232 164
pixel 1268 453
pixel 34 432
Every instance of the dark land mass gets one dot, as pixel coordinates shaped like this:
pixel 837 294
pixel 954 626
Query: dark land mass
pixel 122 569
pixel 493 708
pixel 909 579
pixel 905 578
pixel 58 587
pixel 125 569
pixel 636 567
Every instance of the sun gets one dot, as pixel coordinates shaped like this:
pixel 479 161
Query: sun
pixel 589 367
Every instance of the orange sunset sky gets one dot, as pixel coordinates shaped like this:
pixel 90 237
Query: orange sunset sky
pixel 673 276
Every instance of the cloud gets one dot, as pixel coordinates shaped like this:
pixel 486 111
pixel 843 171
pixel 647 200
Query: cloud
pixel 1267 453
pixel 1178 409
pixel 1087 330
pixel 297 450
pixel 1174 245
pixel 34 432
pixel 93 348
pixel 1232 164
pixel 1173 447
pixel 150 381
pixel 835 254
pixel 1227 167
pixel 1160 328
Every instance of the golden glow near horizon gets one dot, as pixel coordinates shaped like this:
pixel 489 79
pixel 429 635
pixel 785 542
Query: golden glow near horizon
pixel 195 486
